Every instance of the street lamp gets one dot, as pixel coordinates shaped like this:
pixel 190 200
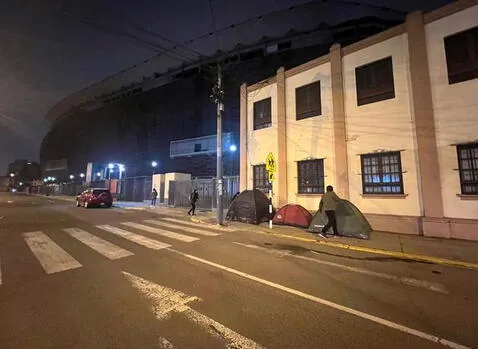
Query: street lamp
pixel 98 174
pixel 153 165
pixel 233 148
pixel 72 177
pixel 82 175
pixel 12 175
pixel 111 166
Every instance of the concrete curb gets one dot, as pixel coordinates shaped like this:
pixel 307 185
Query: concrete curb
pixel 400 255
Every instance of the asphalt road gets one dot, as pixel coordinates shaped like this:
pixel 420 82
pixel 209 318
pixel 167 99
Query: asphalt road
pixel 77 278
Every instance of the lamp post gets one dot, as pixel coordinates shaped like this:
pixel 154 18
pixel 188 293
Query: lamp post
pixel 153 165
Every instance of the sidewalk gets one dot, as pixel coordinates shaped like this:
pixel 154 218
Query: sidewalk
pixel 412 247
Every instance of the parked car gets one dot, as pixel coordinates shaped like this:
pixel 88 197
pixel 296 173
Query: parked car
pixel 99 197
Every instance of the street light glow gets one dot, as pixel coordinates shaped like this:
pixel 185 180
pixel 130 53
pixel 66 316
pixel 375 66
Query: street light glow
pixel 121 168
pixel 233 148
pixel 154 163
pixel 71 176
pixel 12 175
pixel 98 174
pixel 82 175
pixel 111 166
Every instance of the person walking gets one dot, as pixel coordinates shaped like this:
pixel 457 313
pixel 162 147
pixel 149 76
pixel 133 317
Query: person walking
pixel 193 198
pixel 328 203
pixel 154 196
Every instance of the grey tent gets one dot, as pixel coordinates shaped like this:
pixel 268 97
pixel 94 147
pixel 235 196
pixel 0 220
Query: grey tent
pixel 250 206
pixel 350 221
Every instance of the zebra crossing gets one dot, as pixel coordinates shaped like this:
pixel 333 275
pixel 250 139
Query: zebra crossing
pixel 54 259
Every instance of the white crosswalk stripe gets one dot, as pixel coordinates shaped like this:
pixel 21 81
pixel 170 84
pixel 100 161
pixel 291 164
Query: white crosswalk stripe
pixel 186 229
pixel 104 247
pixel 168 234
pixel 136 238
pixel 52 257
pixel 194 225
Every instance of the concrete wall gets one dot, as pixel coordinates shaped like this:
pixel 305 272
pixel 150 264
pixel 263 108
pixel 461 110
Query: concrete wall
pixel 455 108
pixel 174 176
pixel 381 125
pixel 311 137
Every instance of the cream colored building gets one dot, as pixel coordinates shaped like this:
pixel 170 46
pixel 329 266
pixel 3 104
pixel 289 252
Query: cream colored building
pixel 391 122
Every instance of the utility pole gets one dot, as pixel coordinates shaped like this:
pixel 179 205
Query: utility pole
pixel 217 95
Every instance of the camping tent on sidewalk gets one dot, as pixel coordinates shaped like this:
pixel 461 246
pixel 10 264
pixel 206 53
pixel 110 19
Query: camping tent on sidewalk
pixel 350 221
pixel 250 206
pixel 294 215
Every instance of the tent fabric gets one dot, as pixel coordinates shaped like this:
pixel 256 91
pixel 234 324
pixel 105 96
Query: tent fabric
pixel 350 221
pixel 250 206
pixel 294 215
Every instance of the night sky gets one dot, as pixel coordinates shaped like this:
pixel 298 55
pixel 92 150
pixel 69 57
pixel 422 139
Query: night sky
pixel 47 53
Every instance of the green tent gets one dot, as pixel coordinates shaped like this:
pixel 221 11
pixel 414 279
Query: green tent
pixel 350 221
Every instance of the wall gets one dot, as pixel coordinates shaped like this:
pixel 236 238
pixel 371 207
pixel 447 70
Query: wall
pixel 455 108
pixel 173 177
pixel 261 142
pixel 311 137
pixel 382 125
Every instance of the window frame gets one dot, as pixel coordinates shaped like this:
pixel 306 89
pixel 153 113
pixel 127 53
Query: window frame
pixel 462 71
pixel 320 177
pixel 262 125
pixel 377 92
pixel 463 183
pixel 380 156
pixel 311 111
pixel 264 186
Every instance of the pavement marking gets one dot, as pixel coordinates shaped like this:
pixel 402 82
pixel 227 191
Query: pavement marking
pixel 431 286
pixel 101 246
pixel 166 300
pixel 168 234
pixel 186 229
pixel 196 225
pixel 360 314
pixel 136 238
pixel 52 257
pixel 165 344
pixel 400 255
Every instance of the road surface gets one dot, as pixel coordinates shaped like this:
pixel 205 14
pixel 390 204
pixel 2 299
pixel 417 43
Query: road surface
pixel 112 279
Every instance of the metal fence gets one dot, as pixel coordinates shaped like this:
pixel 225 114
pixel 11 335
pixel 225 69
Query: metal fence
pixel 136 189
pixel 179 192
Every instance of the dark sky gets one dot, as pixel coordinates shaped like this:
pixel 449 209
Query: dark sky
pixel 46 53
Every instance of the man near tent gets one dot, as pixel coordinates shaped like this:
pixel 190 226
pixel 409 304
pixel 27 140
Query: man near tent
pixel 329 205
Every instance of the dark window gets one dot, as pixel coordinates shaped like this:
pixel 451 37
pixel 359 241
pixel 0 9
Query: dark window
pixel 262 114
pixel 260 178
pixel 197 147
pixel 307 101
pixel 311 176
pixel 468 165
pixel 461 51
pixel 382 173
pixel 374 81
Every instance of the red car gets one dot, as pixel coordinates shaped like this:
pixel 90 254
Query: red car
pixel 95 197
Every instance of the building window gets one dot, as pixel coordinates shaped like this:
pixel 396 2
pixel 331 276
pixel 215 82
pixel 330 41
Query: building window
pixel 374 81
pixel 468 165
pixel 382 173
pixel 311 176
pixel 260 178
pixel 262 114
pixel 307 101
pixel 461 51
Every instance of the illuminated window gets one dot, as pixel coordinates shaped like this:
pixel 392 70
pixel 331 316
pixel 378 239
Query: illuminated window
pixel 382 173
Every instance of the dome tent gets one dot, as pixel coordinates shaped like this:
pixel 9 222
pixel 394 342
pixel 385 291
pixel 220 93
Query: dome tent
pixel 250 206
pixel 294 215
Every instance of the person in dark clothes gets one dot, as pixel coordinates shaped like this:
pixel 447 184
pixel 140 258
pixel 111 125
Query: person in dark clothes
pixel 154 196
pixel 194 198
pixel 329 205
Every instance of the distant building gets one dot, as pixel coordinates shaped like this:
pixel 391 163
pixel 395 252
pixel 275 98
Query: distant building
pixel 390 121
pixel 24 171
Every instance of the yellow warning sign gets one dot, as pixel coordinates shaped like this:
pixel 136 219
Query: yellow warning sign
pixel 271 165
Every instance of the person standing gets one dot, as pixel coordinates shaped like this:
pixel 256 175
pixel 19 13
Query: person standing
pixel 328 203
pixel 154 196
pixel 193 198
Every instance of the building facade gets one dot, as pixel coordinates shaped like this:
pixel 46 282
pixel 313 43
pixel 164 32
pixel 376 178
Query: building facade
pixel 390 121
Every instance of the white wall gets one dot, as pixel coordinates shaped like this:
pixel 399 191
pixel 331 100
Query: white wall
pixel 173 176
pixel 311 137
pixel 455 108
pixel 261 142
pixel 382 125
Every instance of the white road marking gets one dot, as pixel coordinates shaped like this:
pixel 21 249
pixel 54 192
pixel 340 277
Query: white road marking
pixel 196 225
pixel 186 229
pixel 431 286
pixel 165 300
pixel 168 234
pixel 104 247
pixel 165 344
pixel 136 238
pixel 360 314
pixel 52 257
